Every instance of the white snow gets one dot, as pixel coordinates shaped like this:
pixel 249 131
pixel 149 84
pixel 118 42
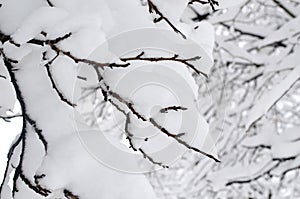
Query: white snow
pixel 263 104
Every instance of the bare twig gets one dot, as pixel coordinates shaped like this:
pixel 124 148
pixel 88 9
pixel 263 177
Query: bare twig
pixel 50 3
pixel 87 61
pixel 146 156
pixel 129 137
pixel 174 108
pixel 111 94
pixel 153 7
pixel 180 141
pixel 174 58
pixel 8 118
pixel 68 194
pixel 212 3
pixel 36 188
pixel 278 3
pixel 59 93
pixel 242 32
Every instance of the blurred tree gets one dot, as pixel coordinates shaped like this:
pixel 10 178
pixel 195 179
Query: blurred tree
pixel 256 73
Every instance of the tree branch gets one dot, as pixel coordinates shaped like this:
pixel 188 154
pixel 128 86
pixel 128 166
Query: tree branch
pixel 26 118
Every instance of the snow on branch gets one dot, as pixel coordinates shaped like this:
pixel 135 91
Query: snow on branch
pixel 111 96
pixel 265 103
pixel 22 137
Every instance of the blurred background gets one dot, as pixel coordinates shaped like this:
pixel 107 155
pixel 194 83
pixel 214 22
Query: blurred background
pixel 255 75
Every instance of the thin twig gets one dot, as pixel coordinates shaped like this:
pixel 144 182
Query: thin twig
pixel 68 194
pixel 8 118
pixel 129 137
pixel 212 3
pixel 174 108
pixel 2 76
pixel 278 3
